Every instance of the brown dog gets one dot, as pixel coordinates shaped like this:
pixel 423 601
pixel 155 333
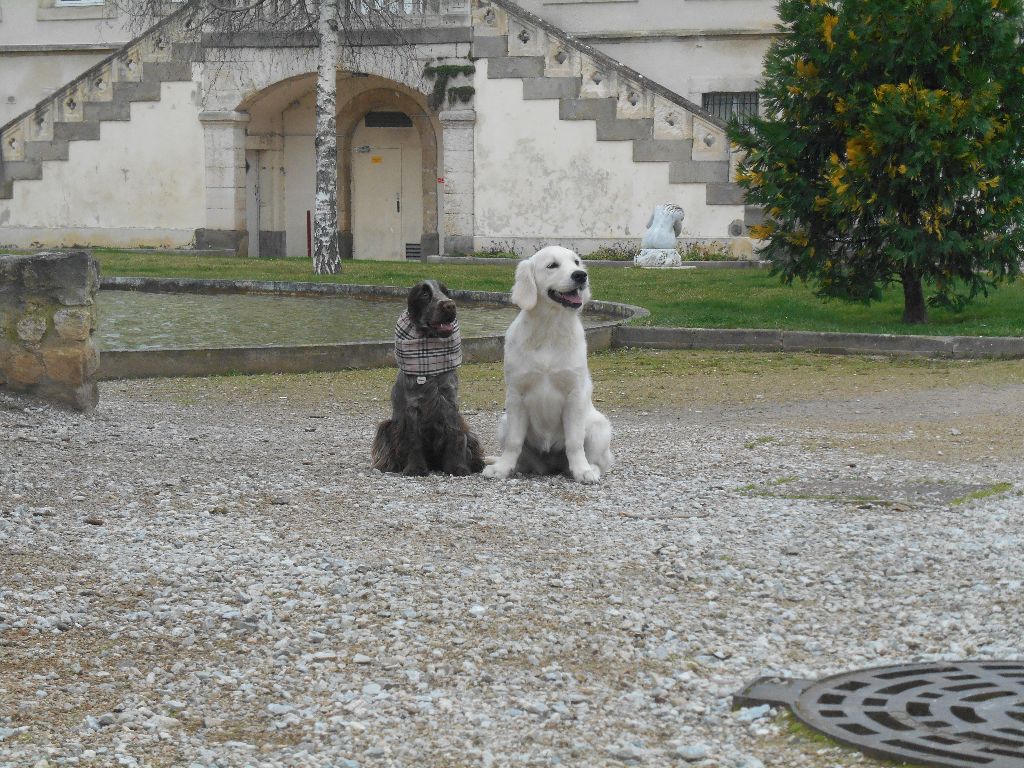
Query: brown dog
pixel 426 433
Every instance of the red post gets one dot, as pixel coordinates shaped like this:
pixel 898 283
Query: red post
pixel 309 235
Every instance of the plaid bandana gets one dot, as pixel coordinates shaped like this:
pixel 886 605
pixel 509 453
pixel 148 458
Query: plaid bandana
pixel 425 355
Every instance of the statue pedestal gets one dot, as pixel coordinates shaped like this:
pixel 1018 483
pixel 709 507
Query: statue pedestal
pixel 658 257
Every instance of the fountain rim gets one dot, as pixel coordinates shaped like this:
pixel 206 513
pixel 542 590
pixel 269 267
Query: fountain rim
pixel 169 362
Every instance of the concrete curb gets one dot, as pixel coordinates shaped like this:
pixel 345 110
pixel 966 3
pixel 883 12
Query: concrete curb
pixel 740 339
pixel 595 262
pixel 611 334
pixel 134 364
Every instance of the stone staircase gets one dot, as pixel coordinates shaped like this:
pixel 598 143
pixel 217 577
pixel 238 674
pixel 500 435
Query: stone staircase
pixel 103 93
pixel 625 105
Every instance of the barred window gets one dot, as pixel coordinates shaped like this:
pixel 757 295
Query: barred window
pixel 731 104
pixel 387 120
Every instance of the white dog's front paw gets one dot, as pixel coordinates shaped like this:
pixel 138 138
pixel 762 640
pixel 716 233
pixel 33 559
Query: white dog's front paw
pixel 498 471
pixel 589 475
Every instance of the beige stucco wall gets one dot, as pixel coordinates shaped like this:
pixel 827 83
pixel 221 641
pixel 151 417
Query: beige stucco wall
pixel 43 46
pixel 141 183
pixel 690 46
pixel 658 16
pixel 28 78
pixel 694 66
pixel 541 177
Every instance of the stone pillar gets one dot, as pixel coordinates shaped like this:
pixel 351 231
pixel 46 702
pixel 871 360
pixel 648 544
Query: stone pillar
pixel 224 144
pixel 457 200
pixel 47 320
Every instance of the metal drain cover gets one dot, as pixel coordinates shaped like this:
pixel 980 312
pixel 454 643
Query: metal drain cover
pixel 960 714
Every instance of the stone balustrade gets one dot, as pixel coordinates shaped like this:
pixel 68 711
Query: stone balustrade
pixel 47 320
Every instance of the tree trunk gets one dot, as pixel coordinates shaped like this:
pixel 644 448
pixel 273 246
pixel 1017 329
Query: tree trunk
pixel 915 312
pixel 326 254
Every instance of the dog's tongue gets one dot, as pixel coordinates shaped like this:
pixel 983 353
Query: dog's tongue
pixel 573 297
pixel 448 327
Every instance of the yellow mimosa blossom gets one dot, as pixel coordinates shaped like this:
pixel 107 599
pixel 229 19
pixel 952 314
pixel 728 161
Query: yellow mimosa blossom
pixel 855 150
pixel 827 25
pixel 806 68
pixel 753 177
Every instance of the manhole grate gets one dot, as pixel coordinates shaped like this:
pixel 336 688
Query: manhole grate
pixel 961 714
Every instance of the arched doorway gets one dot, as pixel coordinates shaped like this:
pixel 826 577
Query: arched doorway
pixel 387 192
pixel 387 152
pixel 387 168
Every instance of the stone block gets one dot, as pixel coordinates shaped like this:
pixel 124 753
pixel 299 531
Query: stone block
pixel 91 361
pixel 65 365
pixel 458 183
pixel 657 257
pixel 10 270
pixel 458 244
pixel 515 67
pixel 724 193
pixel 59 366
pixel 84 397
pixel 73 324
pixel 24 369
pixel 31 329
pixel 456 160
pixel 70 278
pixel 218 239
pixel 459 138
pixel 430 244
pixel 490 47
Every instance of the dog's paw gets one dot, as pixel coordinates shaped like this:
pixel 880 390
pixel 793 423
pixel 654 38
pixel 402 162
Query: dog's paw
pixel 496 471
pixel 415 470
pixel 591 474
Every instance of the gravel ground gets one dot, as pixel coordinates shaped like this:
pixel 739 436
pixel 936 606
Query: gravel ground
pixel 207 573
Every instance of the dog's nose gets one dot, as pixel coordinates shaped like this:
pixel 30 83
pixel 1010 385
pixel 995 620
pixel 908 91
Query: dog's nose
pixel 579 276
pixel 447 308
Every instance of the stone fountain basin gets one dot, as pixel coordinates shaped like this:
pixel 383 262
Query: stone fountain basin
pixel 601 318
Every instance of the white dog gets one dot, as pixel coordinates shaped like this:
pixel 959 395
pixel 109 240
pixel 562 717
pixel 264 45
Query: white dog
pixel 550 424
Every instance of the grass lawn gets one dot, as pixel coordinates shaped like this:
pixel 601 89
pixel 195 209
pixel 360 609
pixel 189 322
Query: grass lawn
pixel 711 298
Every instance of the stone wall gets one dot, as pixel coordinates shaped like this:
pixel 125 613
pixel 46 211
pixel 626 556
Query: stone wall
pixel 47 320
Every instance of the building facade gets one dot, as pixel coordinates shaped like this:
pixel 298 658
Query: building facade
pixel 483 124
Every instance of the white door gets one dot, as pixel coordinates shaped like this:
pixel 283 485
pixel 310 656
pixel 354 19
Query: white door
pixel 299 193
pixel 377 204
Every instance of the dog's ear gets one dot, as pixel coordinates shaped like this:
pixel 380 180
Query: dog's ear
pixel 524 291
pixel 419 297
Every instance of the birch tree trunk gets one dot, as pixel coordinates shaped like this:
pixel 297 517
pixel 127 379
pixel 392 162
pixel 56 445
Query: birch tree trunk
pixel 326 254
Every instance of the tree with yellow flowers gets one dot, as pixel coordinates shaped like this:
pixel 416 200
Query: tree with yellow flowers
pixel 892 148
